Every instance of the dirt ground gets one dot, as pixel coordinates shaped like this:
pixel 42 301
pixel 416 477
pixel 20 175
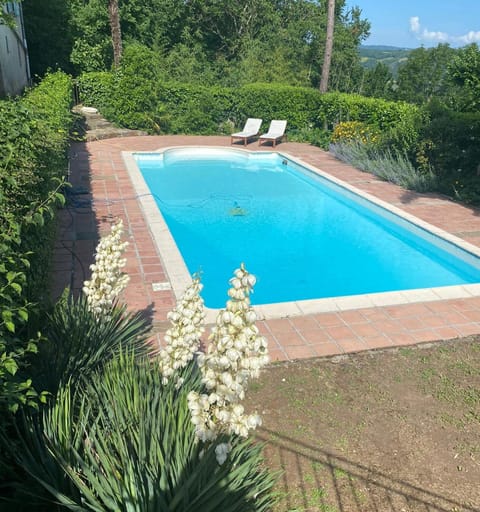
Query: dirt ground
pixel 383 431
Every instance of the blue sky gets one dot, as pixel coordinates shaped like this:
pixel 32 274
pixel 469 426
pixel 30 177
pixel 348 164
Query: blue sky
pixel 413 23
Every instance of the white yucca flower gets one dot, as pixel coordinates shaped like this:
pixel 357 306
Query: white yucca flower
pixel 183 337
pixel 108 279
pixel 235 355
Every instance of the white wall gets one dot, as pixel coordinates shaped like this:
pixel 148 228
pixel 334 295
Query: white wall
pixel 14 67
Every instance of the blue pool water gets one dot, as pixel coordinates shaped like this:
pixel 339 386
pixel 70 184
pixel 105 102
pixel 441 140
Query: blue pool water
pixel 303 236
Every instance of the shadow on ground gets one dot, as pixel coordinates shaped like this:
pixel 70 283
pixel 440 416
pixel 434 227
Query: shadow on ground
pixel 323 477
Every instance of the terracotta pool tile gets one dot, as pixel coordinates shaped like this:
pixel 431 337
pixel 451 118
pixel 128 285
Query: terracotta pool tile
pixel 328 319
pixel 411 323
pixel 155 277
pixel 262 327
pixel 150 260
pixel 339 331
pixel 446 333
pixel 352 345
pixel 137 305
pixel 434 321
pixel 315 336
pixel 364 330
pixel 405 310
pixel 473 303
pixel 401 338
pixel 289 338
pixel 300 352
pixel 468 329
pixel 303 323
pixel 375 314
pixel 375 342
pixel 352 317
pixel 276 355
pixel 280 325
pixel 151 268
pixel 454 317
pixel 388 326
pixel 424 335
pixel 135 279
pixel 326 349
pixel 160 314
pixel 463 305
pixel 473 316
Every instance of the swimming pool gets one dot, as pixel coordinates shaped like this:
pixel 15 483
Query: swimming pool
pixel 304 236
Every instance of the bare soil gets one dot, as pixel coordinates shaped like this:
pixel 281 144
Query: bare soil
pixel 383 431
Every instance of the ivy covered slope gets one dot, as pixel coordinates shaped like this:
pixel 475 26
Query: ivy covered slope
pixel 33 159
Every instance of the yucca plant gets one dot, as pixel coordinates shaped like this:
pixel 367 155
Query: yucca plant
pixel 123 441
pixel 77 343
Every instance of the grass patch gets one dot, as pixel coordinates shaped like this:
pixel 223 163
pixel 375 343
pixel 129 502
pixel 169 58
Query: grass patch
pixel 378 430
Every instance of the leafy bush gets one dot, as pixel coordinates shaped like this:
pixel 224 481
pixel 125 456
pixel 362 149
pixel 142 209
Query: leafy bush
pixel 315 136
pixel 453 150
pixel 34 132
pixel 298 105
pixel 187 108
pixel 196 109
pixel 95 89
pixel 399 123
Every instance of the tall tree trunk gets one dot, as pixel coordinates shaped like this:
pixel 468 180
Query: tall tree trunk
pixel 327 57
pixel 114 17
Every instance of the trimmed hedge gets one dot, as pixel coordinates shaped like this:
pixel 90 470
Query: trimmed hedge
pixel 144 101
pixel 452 148
pixel 33 159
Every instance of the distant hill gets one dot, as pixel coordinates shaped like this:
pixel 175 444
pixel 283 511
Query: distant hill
pixel 391 56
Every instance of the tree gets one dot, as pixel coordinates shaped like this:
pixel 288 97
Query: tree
pixel 424 76
pixel 49 35
pixel 114 18
pixel 223 42
pixel 464 71
pixel 327 56
pixel 377 82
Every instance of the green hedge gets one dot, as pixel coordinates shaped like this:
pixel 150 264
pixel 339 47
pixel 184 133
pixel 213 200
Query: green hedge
pixel 452 148
pixel 143 100
pixel 33 158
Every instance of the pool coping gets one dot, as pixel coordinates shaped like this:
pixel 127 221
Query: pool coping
pixel 179 277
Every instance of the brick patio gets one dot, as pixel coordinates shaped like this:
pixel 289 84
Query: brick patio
pixel 102 191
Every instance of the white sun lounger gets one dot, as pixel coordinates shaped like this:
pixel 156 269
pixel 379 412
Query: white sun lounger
pixel 276 132
pixel 251 129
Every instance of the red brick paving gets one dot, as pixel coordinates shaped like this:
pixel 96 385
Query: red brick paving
pixel 102 191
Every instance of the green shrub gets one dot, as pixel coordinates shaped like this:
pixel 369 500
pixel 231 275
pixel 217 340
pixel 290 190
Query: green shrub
pixel 196 109
pixel 125 441
pixel 298 105
pixel 453 150
pixel 315 136
pixel 158 106
pixel 33 159
pixel 95 89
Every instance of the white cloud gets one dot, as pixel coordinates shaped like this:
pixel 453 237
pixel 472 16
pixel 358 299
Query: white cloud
pixel 423 34
pixel 415 24
pixel 471 37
